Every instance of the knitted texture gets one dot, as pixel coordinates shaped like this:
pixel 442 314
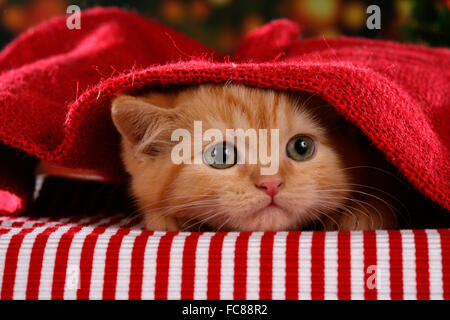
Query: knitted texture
pixel 56 86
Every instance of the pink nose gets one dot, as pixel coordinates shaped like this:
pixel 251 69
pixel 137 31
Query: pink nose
pixel 271 187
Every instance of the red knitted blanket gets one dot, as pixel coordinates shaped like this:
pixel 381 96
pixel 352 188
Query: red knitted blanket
pixel 56 85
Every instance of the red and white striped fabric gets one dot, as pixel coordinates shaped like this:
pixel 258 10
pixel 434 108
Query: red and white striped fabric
pixel 114 258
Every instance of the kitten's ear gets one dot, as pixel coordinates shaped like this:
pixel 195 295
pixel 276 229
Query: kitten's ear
pixel 140 122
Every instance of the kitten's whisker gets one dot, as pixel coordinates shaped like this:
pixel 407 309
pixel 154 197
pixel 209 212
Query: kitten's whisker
pixel 178 209
pixel 224 224
pixel 318 216
pixel 167 199
pixel 352 200
pixel 366 213
pixel 201 222
pixel 331 209
pixel 199 215
pixel 378 169
pixel 214 216
pixel 348 209
pixel 406 211
pixel 364 193
pixel 190 203
pixel 363 186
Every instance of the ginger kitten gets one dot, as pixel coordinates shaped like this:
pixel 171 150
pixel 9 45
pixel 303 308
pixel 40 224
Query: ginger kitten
pixel 323 177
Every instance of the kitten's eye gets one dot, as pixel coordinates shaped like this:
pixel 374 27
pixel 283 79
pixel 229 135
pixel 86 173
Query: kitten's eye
pixel 300 148
pixel 221 155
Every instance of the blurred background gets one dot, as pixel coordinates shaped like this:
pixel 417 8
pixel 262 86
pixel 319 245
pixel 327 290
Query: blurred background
pixel 222 23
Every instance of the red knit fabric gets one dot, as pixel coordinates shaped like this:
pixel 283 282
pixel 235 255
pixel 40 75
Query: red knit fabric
pixel 56 86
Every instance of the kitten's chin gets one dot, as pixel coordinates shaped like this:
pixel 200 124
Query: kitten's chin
pixel 269 218
pixel 271 211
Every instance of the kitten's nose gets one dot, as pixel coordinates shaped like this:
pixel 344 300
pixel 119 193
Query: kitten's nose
pixel 270 186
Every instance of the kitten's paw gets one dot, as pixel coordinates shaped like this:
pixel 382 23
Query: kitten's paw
pixel 158 222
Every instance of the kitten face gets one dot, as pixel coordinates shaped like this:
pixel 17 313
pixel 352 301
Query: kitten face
pixel 305 189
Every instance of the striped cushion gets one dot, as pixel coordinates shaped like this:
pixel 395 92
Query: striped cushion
pixel 112 257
